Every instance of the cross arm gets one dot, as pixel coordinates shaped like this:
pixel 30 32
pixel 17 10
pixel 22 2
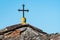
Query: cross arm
pixel 23 10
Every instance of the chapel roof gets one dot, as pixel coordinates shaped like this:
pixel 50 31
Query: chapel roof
pixel 17 26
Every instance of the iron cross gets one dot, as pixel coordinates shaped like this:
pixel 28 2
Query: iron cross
pixel 23 10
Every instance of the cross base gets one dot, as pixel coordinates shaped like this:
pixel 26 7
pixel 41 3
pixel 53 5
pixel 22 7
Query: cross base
pixel 23 20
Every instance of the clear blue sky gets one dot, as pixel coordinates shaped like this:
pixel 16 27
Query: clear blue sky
pixel 43 14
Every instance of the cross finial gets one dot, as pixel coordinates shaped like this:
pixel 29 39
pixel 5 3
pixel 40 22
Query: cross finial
pixel 23 10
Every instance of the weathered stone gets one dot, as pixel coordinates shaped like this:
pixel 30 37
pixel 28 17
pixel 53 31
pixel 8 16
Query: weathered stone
pixel 26 32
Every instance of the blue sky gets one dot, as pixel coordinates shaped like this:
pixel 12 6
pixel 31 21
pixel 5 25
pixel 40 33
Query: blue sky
pixel 43 14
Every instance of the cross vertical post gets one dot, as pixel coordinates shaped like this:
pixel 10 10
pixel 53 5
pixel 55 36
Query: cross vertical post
pixel 23 10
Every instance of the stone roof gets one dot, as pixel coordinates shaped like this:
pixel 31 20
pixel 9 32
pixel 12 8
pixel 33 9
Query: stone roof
pixel 17 26
pixel 26 32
